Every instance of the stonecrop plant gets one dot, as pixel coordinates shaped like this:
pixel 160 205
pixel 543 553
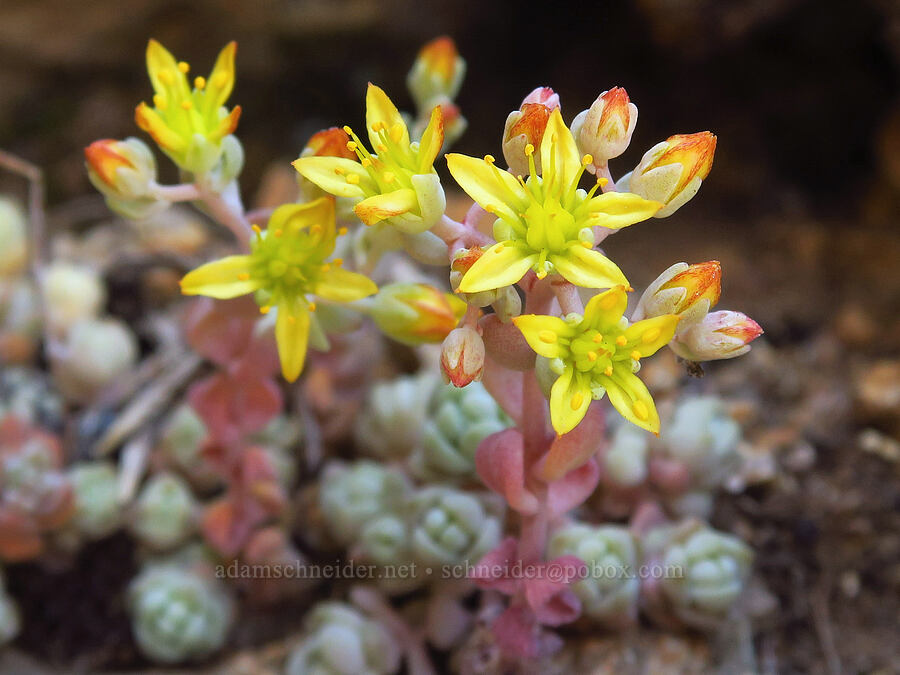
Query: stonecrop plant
pixel 523 300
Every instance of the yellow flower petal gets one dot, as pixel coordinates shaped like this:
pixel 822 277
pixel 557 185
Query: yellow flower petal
pixel 221 80
pixel 570 397
pixel 222 279
pixel 292 335
pixel 340 285
pixel 588 268
pixel 164 74
pixel 495 190
pixel 150 121
pixel 560 161
pixel 432 140
pixel 648 336
pixel 615 210
pixel 542 333
pixel 631 398
pixel 604 310
pixel 383 206
pixel 330 174
pixel 501 265
pixel 380 110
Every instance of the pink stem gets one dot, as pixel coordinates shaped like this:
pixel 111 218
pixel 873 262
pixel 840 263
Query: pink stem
pixel 568 298
pixel 533 538
pixel 186 192
pixel 458 235
pixel 231 218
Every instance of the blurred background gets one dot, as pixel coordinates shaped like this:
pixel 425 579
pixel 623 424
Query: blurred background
pixel 801 207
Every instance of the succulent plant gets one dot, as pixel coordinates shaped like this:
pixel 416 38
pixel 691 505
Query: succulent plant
pixel 20 319
pixel 70 293
pixel 97 509
pixel 36 497
pixel 341 641
pixel 181 445
pixel 163 514
pixel 391 423
pixel 458 420
pixel 29 396
pixel 450 526
pixel 702 572
pixel 609 592
pixel 94 354
pixel 625 460
pixel 352 495
pixel 704 437
pixel 178 614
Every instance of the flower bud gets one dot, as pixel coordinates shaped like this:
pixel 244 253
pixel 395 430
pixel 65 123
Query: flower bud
pixel 164 512
pixel 609 592
pixel 506 301
pixel 13 239
pixel 462 356
pixel 416 314
pixel 720 335
pixel 604 130
pixel 341 640
pixel 671 172
pixel 71 293
pixel 526 126
pixel 543 95
pixel 686 290
pixel 330 142
pixel 97 510
pixel 178 614
pixel 125 173
pixel 437 73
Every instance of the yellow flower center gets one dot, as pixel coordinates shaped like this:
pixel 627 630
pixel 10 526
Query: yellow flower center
pixel 595 353
pixel 554 219
pixel 286 265
pixel 393 163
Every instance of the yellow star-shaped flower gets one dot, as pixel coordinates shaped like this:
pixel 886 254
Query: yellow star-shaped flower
pixel 189 123
pixel 395 182
pixel 597 354
pixel 545 223
pixel 286 266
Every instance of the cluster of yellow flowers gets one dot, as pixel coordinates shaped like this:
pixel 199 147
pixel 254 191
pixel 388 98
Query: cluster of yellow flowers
pixel 543 222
